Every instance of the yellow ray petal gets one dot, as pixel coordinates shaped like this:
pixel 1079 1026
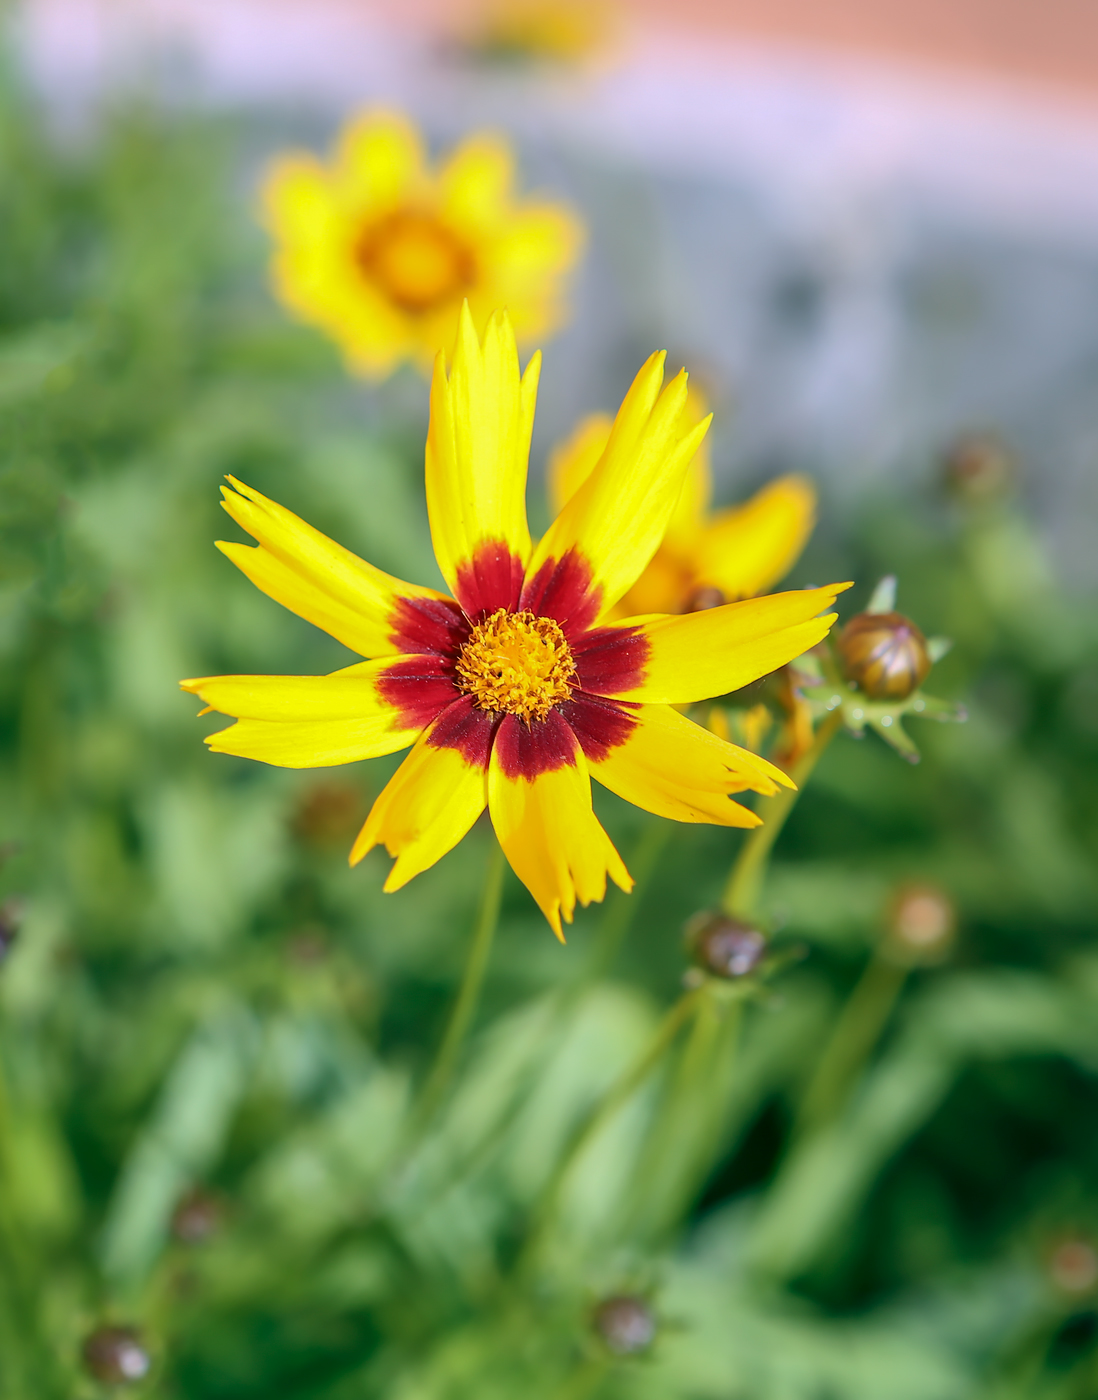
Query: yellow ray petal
pixel 478 448
pixel 573 460
pixel 704 654
pixel 552 838
pixel 748 548
pixel 315 577
pixel 476 182
pixel 319 743
pixel 348 694
pixel 673 767
pixel 424 810
pixel 379 160
pixel 617 518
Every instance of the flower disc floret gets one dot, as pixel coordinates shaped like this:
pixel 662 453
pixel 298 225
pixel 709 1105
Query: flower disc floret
pixel 416 261
pixel 516 663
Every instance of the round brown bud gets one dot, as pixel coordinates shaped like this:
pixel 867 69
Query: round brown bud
pixel 921 924
pixel 884 655
pixel 115 1355
pixel 724 946
pixel 327 813
pixel 978 468
pixel 626 1324
pixel 1073 1266
pixel 704 597
pixel 197 1217
pixel 10 919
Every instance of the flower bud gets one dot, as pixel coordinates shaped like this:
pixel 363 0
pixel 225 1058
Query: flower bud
pixel 921 924
pixel 884 655
pixel 626 1324
pixel 978 468
pixel 1073 1266
pixel 723 946
pixel 115 1355
pixel 10 919
pixel 197 1217
pixel 704 597
pixel 327 813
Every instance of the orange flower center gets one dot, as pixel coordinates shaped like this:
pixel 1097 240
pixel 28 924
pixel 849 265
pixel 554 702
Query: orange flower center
pixel 415 260
pixel 517 664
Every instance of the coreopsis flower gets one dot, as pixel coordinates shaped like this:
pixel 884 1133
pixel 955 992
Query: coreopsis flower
pixel 380 250
pixel 705 558
pixel 565 31
pixel 516 690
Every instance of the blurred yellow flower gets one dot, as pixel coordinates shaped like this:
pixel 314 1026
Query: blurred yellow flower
pixel 563 30
pixel 379 249
pixel 705 559
pixel 515 691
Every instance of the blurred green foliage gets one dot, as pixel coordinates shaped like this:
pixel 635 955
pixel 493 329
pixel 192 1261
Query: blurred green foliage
pixel 200 997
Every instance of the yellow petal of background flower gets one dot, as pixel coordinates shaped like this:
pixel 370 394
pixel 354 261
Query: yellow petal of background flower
pixel 475 184
pixel 478 446
pixel 572 461
pixel 379 159
pixel 313 576
pixel 618 516
pixel 746 549
pixel 673 767
pixel 424 810
pixel 701 655
pixel 553 840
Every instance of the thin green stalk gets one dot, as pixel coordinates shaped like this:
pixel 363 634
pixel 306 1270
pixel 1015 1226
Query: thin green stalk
pixel 601 1113
pixel 465 1006
pixel 741 893
pixel 619 915
pixel 853 1039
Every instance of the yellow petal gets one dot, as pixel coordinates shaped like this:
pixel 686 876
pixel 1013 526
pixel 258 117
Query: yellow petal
pixel 315 577
pixel 704 654
pixel 748 548
pixel 673 767
pixel 298 201
pixel 348 694
pixel 688 517
pixel 552 838
pixel 475 183
pixel 572 461
pixel 478 448
pixel 424 810
pixel 379 160
pixel 319 743
pixel 616 519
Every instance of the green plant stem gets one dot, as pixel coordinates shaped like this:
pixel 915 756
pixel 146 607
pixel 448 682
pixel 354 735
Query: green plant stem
pixel 476 964
pixel 601 1112
pixel 741 893
pixel 619 915
pixel 852 1041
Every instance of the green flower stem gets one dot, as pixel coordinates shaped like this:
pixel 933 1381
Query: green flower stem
pixel 741 894
pixel 853 1039
pixel 601 1112
pixel 476 965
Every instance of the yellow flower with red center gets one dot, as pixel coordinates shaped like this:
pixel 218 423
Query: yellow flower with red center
pixel 380 250
pixel 704 558
pixel 516 690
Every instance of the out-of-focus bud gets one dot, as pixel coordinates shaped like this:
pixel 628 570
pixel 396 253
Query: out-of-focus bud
pixel 11 916
pixel 626 1324
pixel 723 946
pixel 328 813
pixel 116 1355
pixel 1073 1266
pixel 978 468
pixel 921 925
pixel 197 1217
pixel 705 597
pixel 884 655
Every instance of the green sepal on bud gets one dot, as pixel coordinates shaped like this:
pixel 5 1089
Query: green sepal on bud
pixel 874 674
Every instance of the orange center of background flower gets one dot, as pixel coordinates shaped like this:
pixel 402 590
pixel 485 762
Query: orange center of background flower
pixel 416 261
pixel 517 664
